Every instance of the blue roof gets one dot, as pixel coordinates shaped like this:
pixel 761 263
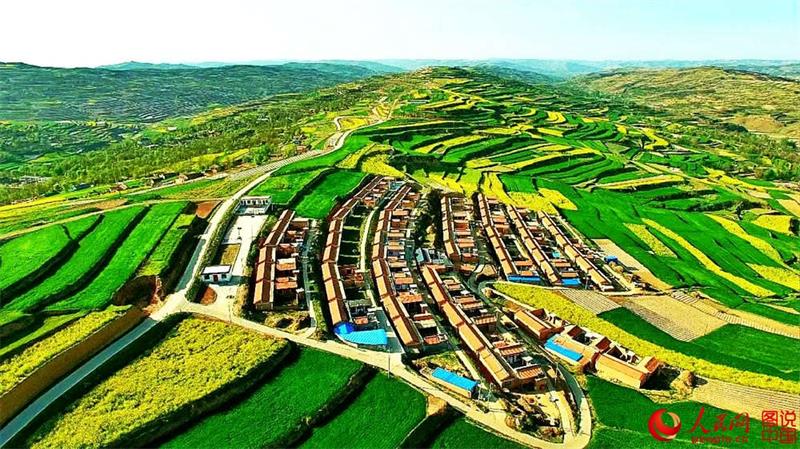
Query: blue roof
pixel 454 379
pixel 573 281
pixel 557 348
pixel 524 279
pixel 375 337
pixel 344 328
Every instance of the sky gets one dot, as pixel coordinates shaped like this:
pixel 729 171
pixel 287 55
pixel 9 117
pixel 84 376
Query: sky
pixel 71 33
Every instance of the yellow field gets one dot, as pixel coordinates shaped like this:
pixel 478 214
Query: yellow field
pixel 777 223
pixel 791 205
pixel 634 183
pixel 657 246
pixel 783 276
pixel 555 117
pixel 442 146
pixel 558 199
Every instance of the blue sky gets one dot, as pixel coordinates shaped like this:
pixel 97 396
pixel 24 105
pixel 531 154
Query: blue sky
pixel 94 32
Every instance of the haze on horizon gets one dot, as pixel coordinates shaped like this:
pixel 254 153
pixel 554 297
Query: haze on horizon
pixel 94 32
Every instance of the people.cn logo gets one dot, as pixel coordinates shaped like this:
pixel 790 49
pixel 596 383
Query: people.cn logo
pixel 659 429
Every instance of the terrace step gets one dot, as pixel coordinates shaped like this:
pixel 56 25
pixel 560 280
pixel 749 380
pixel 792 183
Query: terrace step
pixel 683 297
pixel 733 319
pixel 673 329
pixel 745 399
pixel 590 300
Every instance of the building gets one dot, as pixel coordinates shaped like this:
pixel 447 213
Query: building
pixel 276 278
pixel 459 242
pixel 538 323
pixel 216 274
pixel 256 205
pixel 452 381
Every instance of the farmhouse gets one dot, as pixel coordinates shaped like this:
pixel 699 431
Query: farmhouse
pixel 504 362
pixel 255 204
pixel 397 289
pixel 514 261
pixel 353 318
pixel 459 243
pixel 216 274
pixel 277 273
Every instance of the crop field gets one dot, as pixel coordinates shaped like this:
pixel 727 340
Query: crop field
pixel 159 260
pixel 283 189
pixel 196 359
pixel 22 256
pixel 461 434
pixel 620 416
pixel 388 408
pixel 319 202
pixel 276 408
pixel 136 247
pixel 631 331
pixel 35 332
pixel 18 367
pixel 92 249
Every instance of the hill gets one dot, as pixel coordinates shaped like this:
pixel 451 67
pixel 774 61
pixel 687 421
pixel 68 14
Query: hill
pixel 758 102
pixel 31 93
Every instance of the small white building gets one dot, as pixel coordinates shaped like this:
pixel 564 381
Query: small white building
pixel 216 274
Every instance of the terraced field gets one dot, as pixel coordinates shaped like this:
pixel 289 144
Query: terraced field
pixel 197 358
pixel 319 202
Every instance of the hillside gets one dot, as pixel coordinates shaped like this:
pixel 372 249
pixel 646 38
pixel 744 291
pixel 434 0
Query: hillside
pixel 759 102
pixel 30 93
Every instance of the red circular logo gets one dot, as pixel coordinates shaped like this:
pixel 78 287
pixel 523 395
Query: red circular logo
pixel 659 429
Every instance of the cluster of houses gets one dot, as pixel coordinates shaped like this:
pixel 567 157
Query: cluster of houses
pixel 397 289
pixel 532 247
pixel 585 349
pixel 459 244
pixel 503 361
pixel 277 273
pixel 349 314
pixel 515 264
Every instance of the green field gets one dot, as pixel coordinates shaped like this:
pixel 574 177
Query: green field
pixel 196 359
pixel 621 414
pixel 323 198
pixel 388 408
pixel 284 188
pixel 461 434
pixel 274 409
pixel 128 256
pixel 22 256
pixel 35 332
pixel 159 261
pixel 92 249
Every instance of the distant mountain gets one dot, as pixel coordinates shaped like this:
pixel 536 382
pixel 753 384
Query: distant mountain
pixel 148 94
pixel 526 76
pixel 133 65
pixel 756 101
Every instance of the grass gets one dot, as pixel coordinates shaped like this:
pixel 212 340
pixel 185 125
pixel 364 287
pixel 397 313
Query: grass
pixel 321 200
pixel 129 255
pixel 91 250
pixel 622 415
pixel 380 417
pixel 283 189
pixel 20 366
pixel 45 328
pixel 22 256
pixel 461 434
pixel 276 408
pixel 196 359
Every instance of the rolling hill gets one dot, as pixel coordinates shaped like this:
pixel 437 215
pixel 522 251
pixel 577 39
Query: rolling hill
pixel 758 102
pixel 146 95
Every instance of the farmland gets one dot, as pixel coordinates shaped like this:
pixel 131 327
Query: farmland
pixel 92 249
pixel 284 188
pixel 620 414
pixel 461 434
pixel 136 248
pixel 375 409
pixel 196 359
pixel 16 368
pixel 273 411
pixel 333 188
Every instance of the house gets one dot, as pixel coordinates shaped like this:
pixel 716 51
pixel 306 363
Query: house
pixel 216 274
